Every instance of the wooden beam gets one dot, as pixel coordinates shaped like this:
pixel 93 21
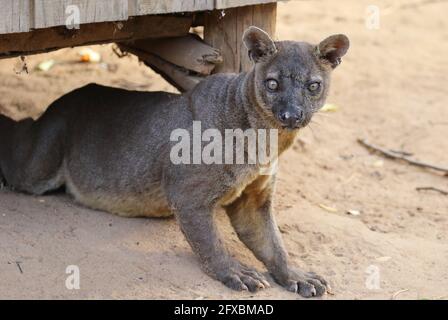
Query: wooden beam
pixel 175 75
pixel 44 40
pixel 223 30
pixel 140 7
pixel 188 52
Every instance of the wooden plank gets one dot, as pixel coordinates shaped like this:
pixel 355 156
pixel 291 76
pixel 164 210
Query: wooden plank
pixel 225 32
pixel 53 13
pixel 14 16
pixel 44 40
pixel 222 4
pixel 188 52
pixel 141 7
pixel 23 15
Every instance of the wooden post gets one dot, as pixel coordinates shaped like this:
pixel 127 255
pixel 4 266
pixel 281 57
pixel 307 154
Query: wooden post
pixel 223 30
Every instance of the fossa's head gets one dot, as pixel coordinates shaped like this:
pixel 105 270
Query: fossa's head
pixel 291 78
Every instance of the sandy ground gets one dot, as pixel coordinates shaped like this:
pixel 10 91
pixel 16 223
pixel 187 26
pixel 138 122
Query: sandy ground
pixel 391 89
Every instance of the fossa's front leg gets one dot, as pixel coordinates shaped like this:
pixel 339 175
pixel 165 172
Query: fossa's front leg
pixel 199 228
pixel 252 217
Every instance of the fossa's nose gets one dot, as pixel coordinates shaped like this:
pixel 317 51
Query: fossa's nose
pixel 290 119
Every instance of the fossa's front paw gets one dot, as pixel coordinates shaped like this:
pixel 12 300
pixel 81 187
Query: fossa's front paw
pixel 307 284
pixel 242 278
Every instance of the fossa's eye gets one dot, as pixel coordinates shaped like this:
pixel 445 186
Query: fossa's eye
pixel 314 86
pixel 272 84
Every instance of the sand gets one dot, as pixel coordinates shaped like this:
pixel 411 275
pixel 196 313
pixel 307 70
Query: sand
pixel 390 89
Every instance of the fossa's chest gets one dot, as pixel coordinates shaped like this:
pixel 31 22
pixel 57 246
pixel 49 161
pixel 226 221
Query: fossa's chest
pixel 246 179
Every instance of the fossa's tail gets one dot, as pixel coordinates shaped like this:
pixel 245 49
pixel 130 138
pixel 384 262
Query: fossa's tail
pixel 7 128
pixel 6 125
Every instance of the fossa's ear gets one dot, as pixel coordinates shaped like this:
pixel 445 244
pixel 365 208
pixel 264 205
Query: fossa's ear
pixel 332 49
pixel 259 45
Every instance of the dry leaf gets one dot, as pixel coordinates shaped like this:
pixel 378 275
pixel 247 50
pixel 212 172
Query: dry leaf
pixel 89 55
pixel 45 65
pixel 354 212
pixel 378 163
pixel 329 107
pixel 395 295
pixel 327 208
pixel 383 259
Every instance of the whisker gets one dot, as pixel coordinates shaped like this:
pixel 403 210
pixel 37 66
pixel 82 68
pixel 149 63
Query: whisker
pixel 313 134
pixel 321 113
